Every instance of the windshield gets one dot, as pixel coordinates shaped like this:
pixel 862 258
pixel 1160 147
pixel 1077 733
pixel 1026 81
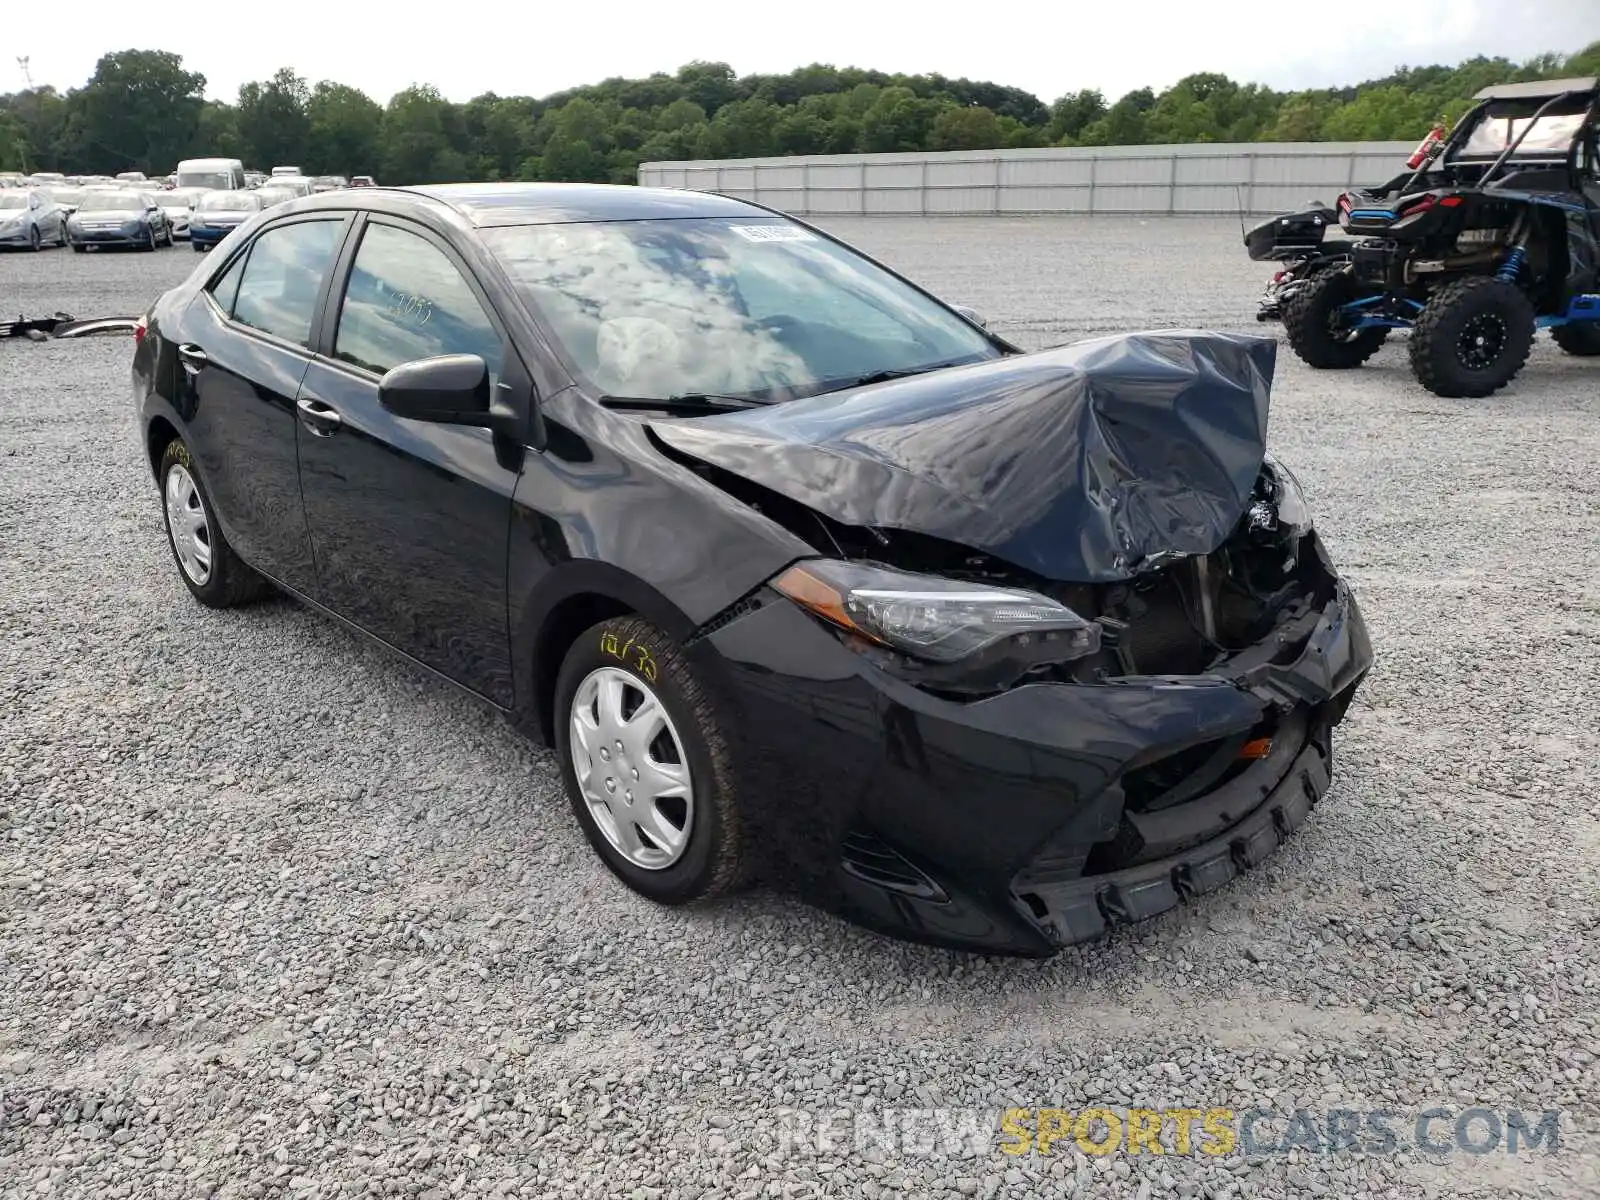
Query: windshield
pixel 229 202
pixel 111 202
pixel 209 180
pixel 13 200
pixel 1552 136
pixel 756 308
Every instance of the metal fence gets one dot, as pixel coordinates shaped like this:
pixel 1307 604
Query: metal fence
pixel 1253 177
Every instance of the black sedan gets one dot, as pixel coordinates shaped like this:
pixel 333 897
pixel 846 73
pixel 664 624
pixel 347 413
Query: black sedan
pixel 806 576
pixel 118 217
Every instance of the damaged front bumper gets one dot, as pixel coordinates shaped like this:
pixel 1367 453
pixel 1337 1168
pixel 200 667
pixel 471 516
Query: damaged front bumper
pixel 1024 821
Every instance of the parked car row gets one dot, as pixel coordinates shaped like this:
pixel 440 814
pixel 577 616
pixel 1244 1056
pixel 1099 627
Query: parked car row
pixel 51 209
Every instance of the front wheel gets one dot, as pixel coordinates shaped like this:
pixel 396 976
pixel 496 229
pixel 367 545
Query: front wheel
pixel 213 573
pixel 1321 333
pixel 1472 338
pixel 35 242
pixel 1581 338
pixel 646 763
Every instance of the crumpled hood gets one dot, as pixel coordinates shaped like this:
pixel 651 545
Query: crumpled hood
pixel 1086 463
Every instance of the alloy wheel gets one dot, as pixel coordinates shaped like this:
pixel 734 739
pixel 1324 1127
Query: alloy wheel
pixel 631 768
pixel 187 523
pixel 1482 342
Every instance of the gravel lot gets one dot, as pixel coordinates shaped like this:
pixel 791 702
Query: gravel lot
pixel 280 917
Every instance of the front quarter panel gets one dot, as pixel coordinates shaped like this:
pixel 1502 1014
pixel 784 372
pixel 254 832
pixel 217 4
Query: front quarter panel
pixel 600 511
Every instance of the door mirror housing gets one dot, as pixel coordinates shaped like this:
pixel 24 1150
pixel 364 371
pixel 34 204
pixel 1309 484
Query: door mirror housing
pixel 972 314
pixel 451 389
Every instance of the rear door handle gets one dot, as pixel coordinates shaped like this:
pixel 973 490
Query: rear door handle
pixel 318 417
pixel 192 357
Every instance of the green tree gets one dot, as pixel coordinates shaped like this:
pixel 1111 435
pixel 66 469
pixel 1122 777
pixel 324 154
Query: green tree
pixel 1071 114
pixel 416 145
pixel 344 129
pixel 217 132
pixel 965 129
pixel 898 120
pixel 709 84
pixel 272 120
pixel 139 110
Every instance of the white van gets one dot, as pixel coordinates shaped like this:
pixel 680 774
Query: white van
pixel 213 174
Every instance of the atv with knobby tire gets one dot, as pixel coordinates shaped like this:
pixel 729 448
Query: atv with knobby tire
pixel 1492 234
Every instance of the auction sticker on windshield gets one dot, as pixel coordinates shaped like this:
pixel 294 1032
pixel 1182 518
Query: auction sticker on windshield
pixel 774 233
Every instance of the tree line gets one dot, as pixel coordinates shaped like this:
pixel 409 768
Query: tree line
pixel 142 110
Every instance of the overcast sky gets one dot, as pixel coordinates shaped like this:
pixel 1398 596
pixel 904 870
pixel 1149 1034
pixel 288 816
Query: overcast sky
pixel 1045 46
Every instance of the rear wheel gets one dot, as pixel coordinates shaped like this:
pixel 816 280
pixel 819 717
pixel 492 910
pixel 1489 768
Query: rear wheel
pixel 1581 338
pixel 213 573
pixel 1472 338
pixel 1322 335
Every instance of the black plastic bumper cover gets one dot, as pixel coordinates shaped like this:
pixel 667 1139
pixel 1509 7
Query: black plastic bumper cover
pixel 1083 909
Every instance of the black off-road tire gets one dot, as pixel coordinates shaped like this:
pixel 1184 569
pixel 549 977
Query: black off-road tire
pixel 1452 330
pixel 1313 328
pixel 231 581
pixel 1581 338
pixel 714 861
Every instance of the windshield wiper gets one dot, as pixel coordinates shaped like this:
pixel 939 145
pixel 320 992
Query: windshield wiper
pixel 855 381
pixel 689 402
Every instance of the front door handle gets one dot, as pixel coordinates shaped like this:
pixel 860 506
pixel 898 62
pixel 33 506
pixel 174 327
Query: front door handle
pixel 192 358
pixel 318 417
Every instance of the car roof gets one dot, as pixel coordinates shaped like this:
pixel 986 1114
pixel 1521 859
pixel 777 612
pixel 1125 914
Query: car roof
pixel 491 204
pixel 1539 89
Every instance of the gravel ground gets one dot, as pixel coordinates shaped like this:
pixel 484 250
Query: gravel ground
pixel 280 917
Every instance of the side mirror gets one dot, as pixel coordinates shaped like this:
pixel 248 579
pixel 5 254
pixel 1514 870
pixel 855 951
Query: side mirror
pixel 451 389
pixel 972 314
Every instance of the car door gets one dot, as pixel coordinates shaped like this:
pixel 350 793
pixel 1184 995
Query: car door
pixel 244 346
pixel 409 519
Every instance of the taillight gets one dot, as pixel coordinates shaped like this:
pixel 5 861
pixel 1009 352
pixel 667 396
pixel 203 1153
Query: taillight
pixel 1422 204
pixel 139 328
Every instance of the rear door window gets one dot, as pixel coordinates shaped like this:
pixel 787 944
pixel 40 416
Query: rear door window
pixel 283 277
pixel 224 288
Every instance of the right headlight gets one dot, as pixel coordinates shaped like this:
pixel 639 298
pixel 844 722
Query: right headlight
pixel 959 627
pixel 1288 498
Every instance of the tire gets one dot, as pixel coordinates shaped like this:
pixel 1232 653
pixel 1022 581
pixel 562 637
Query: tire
pixel 1316 331
pixel 35 242
pixel 77 249
pixel 1472 338
pixel 167 241
pixel 642 662
pixel 1581 338
pixel 65 240
pixel 198 248
pixel 221 580
pixel 150 243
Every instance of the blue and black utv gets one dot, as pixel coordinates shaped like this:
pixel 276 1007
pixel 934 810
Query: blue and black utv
pixel 1492 236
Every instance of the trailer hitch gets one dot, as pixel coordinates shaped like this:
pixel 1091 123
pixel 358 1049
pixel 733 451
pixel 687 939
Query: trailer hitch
pixel 64 325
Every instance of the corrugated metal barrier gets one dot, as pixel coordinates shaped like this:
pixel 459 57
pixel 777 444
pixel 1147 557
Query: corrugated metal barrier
pixel 1200 179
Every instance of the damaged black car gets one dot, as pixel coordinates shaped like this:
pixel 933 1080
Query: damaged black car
pixel 808 577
